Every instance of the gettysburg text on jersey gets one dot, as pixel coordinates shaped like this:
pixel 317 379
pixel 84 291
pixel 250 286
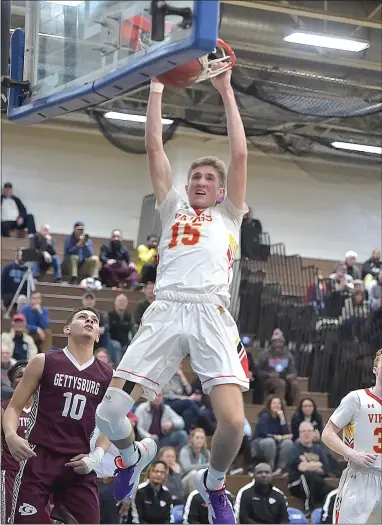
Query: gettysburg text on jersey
pixel 76 383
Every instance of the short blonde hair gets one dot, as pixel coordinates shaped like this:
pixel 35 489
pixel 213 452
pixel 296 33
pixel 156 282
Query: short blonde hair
pixel 377 357
pixel 215 163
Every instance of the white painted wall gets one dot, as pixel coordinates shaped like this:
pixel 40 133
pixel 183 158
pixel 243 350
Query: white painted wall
pixel 316 209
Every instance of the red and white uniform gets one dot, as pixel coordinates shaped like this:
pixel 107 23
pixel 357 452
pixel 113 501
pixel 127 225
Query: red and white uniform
pixel 359 497
pixel 190 314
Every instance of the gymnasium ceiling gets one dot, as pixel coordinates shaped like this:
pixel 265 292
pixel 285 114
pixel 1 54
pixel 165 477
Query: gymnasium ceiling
pixel 288 75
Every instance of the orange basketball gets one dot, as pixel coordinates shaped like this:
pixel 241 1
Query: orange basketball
pixel 182 76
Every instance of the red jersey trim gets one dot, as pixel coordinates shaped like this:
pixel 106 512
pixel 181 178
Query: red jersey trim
pixel 369 393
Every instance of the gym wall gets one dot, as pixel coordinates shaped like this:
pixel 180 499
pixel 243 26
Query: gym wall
pixel 317 209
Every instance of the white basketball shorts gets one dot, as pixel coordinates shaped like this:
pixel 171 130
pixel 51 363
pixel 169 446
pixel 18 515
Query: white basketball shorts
pixel 179 324
pixel 359 497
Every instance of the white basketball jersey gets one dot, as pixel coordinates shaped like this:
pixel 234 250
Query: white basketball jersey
pixel 364 432
pixel 197 248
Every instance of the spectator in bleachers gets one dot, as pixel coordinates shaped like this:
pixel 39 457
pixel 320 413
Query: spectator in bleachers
pixel 22 300
pixel 251 230
pixel 307 411
pixel 174 480
pixel 37 317
pixel 375 292
pixel 278 369
pixel 179 396
pixel 193 457
pixel 142 306
pixel 79 257
pixel 14 215
pixel 351 267
pixel 152 502
pixel 207 419
pixel 117 266
pixel 195 509
pixel 103 355
pixel 147 257
pixel 260 501
pixel 121 323
pixel 355 306
pixel 21 344
pixel 372 267
pixel 161 423
pixel 308 468
pixel 11 276
pixel 316 292
pixel 338 288
pixel 272 439
pixel 7 362
pixel 45 247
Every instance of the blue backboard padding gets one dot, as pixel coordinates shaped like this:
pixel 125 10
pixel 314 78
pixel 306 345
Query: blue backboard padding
pixel 202 41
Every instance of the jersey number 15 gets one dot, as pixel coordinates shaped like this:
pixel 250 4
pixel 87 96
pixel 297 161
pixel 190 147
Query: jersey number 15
pixel 186 234
pixel 74 405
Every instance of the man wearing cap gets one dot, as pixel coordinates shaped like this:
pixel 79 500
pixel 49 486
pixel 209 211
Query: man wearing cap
pixel 79 257
pixel 18 341
pixel 14 215
pixel 278 369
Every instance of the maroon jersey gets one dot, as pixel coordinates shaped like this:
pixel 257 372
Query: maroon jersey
pixel 7 460
pixel 62 417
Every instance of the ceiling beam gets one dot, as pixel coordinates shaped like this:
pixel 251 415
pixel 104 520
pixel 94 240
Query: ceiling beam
pixel 308 13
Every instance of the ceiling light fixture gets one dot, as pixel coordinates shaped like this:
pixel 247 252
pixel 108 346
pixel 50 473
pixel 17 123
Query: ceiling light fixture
pixel 68 3
pixel 377 150
pixel 331 42
pixel 133 118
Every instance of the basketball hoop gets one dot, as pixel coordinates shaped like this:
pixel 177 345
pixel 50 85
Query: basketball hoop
pixel 222 54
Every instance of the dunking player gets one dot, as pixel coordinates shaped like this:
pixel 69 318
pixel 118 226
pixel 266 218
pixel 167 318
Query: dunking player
pixel 190 313
pixel 9 466
pixel 359 496
pixel 66 385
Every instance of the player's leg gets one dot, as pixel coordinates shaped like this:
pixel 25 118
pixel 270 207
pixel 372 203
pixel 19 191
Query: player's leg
pixel 376 496
pixel 31 489
pixel 148 363
pixel 78 495
pixel 7 485
pixel 356 497
pixel 219 359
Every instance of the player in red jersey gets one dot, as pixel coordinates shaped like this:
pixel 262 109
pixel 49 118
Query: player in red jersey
pixel 9 466
pixel 55 462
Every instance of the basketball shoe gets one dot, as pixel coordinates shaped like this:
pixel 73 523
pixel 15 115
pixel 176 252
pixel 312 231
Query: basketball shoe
pixel 127 478
pixel 219 507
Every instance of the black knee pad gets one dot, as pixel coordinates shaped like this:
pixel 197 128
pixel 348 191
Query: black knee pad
pixel 128 387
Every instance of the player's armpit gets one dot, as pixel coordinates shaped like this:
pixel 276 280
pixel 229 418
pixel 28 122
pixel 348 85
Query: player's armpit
pixel 24 391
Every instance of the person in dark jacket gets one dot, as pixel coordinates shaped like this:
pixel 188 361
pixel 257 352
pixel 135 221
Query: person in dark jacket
pixel 121 322
pixel 260 501
pixel 372 266
pixel 45 247
pixel 11 276
pixel 195 509
pixel 251 230
pixel 153 502
pixel 142 306
pixel 272 440
pixel 278 369
pixel 308 468
pixel 37 317
pixel 117 266
pixel 79 257
pixel 14 215
pixel 307 411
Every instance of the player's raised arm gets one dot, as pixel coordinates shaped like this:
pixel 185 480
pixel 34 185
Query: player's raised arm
pixel 19 447
pixel 237 171
pixel 160 170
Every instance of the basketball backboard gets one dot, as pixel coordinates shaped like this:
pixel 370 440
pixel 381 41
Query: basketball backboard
pixel 80 53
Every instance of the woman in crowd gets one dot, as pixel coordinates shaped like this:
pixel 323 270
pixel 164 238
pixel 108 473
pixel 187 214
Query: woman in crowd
pixel 152 502
pixel 103 355
pixel 174 480
pixel 193 457
pixel 307 411
pixel 272 440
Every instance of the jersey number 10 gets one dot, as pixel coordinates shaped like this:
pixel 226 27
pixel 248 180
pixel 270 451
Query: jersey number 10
pixel 74 405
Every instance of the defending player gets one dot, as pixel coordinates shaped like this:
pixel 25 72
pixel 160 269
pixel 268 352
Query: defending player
pixel 9 466
pixel 360 415
pixel 66 385
pixel 190 314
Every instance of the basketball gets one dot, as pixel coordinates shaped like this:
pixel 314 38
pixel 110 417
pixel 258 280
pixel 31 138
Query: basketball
pixel 182 76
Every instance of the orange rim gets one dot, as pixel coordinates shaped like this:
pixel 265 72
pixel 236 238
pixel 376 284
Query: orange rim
pixel 228 49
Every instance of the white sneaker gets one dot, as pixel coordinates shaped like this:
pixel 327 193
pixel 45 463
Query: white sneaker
pixel 219 506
